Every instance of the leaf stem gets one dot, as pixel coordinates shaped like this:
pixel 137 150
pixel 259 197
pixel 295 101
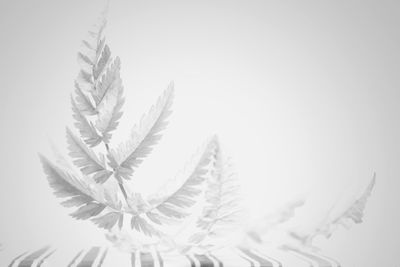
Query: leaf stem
pixel 120 182
pixel 121 186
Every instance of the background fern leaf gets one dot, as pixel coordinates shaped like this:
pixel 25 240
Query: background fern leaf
pixel 144 136
pixel 353 213
pixel 222 208
pixel 356 211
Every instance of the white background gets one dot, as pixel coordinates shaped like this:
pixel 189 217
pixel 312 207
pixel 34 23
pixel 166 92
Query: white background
pixel 304 94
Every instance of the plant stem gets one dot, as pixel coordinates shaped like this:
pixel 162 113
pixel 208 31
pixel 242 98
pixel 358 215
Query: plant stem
pixel 121 186
pixel 120 182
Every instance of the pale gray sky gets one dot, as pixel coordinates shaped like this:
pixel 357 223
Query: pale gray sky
pixel 305 94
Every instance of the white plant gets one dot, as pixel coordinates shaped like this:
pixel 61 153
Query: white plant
pixel 97 105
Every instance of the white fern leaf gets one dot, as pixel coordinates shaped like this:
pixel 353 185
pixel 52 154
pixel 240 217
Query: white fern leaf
pixel 102 61
pixel 166 209
pixel 108 220
pixel 104 212
pixel 109 81
pixel 222 208
pixel 141 225
pixel 97 56
pixel 85 159
pixel 110 103
pixel 86 128
pixel 144 136
pixel 65 185
pixel 184 197
pixel 83 103
pixel 101 74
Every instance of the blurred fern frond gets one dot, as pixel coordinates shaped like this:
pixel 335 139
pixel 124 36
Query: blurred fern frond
pixel 222 209
pixel 353 213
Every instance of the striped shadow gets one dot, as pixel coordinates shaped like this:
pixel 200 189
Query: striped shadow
pixel 314 260
pixel 274 261
pixel 204 260
pixel 89 258
pixel 258 259
pixel 45 258
pixel 31 258
pixel 146 259
pixel 220 264
pixel 17 258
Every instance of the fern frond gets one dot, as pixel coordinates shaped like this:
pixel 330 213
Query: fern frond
pixel 144 136
pixel 86 128
pixel 102 62
pixel 141 225
pixel 173 205
pixel 109 101
pixel 355 212
pixel 109 81
pixel 85 159
pixel 83 103
pixel 66 185
pixel 102 75
pixel 221 208
pixel 97 56
pixel 108 220
pixel 159 210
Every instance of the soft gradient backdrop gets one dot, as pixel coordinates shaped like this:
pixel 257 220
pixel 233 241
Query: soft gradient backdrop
pixel 304 94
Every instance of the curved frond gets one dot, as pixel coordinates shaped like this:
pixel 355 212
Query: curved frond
pixel 67 186
pixel 173 205
pixel 108 220
pixel 85 159
pixel 144 136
